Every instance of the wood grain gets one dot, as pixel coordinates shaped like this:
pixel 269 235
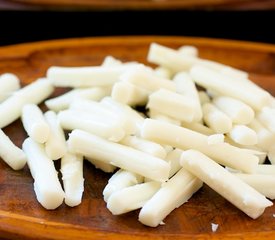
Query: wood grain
pixel 142 4
pixel 21 217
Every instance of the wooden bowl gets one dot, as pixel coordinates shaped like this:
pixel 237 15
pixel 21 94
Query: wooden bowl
pixel 22 217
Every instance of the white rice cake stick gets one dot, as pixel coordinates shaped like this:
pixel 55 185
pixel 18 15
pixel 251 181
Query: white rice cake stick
pixel 146 79
pixel 215 139
pixel 95 76
pixel 260 182
pixel 144 145
pixel 243 135
pixel 258 152
pixel 72 176
pixel 186 86
pixel 119 155
pixel 183 138
pixel 154 114
pixel 216 119
pixel 132 120
pixel 163 72
pixel 62 102
pixel 34 123
pixel 110 61
pixel 271 155
pixel 204 97
pixel 120 180
pixel 132 198
pixel 227 86
pixel 10 153
pixel 212 93
pixel 246 83
pixel 36 92
pixel 172 194
pixel 8 84
pixel 100 111
pixel 272 103
pixel 173 158
pixel 101 126
pixel 231 170
pixel 167 148
pixel 225 183
pixel 47 187
pixel 177 62
pixel 253 149
pixel 95 108
pixel 198 127
pixel 265 137
pixel 267 117
pixel 172 104
pixel 170 58
pixel 105 167
pixel 239 112
pixel 129 94
pixel 225 69
pixel 55 146
pixel 266 169
pixel 189 50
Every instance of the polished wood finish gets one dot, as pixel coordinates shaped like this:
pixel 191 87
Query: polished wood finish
pixel 21 216
pixel 140 4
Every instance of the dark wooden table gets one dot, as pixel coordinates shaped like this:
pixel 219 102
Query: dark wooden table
pixel 138 4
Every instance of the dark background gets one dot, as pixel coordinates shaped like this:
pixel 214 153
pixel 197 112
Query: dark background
pixel 25 26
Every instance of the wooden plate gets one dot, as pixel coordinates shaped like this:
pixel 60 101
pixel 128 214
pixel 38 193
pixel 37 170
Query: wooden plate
pixel 21 217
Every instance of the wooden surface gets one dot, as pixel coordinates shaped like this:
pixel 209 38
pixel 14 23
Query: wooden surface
pixel 139 4
pixel 21 217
